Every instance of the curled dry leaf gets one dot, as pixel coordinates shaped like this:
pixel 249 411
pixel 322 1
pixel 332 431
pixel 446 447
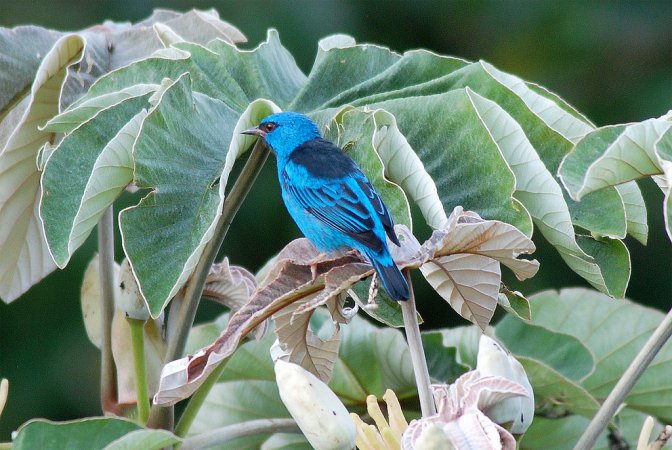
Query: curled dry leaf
pixel 289 280
pixel 302 346
pixel 462 261
pixel 232 286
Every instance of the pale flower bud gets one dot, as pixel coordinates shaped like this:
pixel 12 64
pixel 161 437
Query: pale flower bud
pixel 129 299
pixel 319 413
pixel 493 359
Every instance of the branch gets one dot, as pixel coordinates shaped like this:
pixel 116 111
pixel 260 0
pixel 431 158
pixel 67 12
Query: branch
pixel 194 287
pixel 239 430
pixel 420 370
pixel 626 383
pixel 108 372
pixel 138 343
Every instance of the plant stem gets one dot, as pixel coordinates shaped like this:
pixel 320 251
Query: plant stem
pixel 196 400
pixel 194 287
pixel 625 384
pixel 138 342
pixel 420 370
pixel 108 373
pixel 239 430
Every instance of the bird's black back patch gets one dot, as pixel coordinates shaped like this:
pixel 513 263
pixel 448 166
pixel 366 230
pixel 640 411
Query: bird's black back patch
pixel 323 159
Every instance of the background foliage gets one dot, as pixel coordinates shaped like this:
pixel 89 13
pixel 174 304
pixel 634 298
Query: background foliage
pixel 612 61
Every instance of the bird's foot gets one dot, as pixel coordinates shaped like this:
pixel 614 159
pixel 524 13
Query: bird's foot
pixel 313 263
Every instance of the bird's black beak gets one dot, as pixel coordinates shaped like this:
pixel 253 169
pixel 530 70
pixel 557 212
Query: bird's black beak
pixel 254 132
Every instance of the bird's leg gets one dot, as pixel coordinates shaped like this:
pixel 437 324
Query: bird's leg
pixel 313 265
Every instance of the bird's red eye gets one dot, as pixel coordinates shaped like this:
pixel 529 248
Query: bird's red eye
pixel 269 126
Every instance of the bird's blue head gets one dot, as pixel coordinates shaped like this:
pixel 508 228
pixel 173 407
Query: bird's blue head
pixel 285 131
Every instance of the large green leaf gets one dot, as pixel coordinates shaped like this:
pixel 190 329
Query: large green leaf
pixel 180 154
pixel 615 155
pixel 94 433
pixel 22 51
pixel 194 165
pixel 460 156
pixel 555 394
pixel 552 348
pixel 368 74
pixel 537 189
pixel 37 80
pixel 613 332
pixel 89 169
pixel 25 257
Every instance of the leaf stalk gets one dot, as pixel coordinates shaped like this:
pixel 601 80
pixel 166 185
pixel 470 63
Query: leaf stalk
pixel 239 430
pixel 138 343
pixel 108 373
pixel 420 369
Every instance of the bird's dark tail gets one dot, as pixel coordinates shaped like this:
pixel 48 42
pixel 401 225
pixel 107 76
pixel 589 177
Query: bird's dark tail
pixel 392 279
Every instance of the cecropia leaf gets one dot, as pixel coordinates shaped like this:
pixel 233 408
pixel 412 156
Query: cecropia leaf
pixel 25 256
pixel 181 155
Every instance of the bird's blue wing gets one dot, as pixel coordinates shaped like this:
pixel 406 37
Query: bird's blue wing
pixel 350 205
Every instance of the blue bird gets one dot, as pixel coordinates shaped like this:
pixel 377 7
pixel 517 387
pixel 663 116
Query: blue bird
pixel 329 197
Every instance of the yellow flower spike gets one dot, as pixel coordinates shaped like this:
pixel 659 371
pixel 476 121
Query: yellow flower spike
pixel 374 411
pixel 383 435
pixel 390 438
pixel 396 417
pixel 366 434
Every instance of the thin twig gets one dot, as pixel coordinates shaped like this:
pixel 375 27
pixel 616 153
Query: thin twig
pixel 108 372
pixel 626 383
pixel 420 370
pixel 194 287
pixel 138 344
pixel 253 427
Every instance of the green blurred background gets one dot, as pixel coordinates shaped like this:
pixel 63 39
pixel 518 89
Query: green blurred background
pixel 612 60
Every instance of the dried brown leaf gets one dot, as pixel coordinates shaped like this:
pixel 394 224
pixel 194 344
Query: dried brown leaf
pixel 232 286
pixel 462 261
pixel 289 280
pixel 301 345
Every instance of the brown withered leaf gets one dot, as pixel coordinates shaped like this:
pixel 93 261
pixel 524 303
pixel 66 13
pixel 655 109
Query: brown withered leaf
pixel 289 280
pixel 232 286
pixel 462 261
pixel 300 343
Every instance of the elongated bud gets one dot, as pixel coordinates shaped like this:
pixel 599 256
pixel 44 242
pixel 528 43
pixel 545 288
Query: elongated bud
pixel 493 359
pixel 317 410
pixel 130 299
